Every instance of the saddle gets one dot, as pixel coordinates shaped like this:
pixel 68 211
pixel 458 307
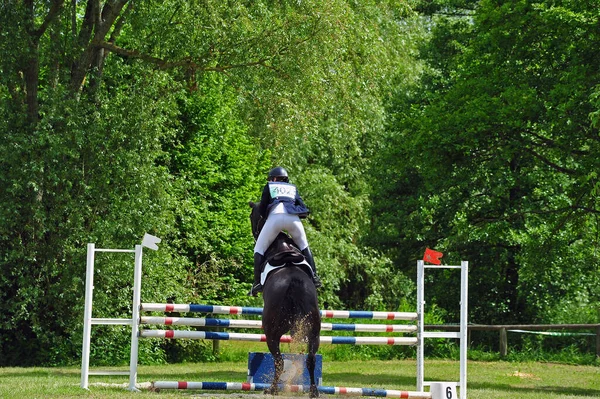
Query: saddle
pixel 283 251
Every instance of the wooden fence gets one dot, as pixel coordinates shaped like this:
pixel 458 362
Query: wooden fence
pixel 504 328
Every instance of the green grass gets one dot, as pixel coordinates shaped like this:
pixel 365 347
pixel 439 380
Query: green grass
pixel 489 380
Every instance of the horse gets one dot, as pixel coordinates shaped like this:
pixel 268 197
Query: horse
pixel 290 302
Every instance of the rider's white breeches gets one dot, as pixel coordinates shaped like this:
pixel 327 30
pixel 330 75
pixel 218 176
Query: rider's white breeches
pixel 277 222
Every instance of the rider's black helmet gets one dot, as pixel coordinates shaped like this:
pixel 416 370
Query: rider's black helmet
pixel 278 172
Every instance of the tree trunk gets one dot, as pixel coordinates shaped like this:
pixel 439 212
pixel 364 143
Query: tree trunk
pixel 100 23
pixel 31 75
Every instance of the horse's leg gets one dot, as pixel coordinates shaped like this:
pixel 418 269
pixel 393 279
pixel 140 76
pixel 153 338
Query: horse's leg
pixel 273 344
pixel 311 358
pixel 311 361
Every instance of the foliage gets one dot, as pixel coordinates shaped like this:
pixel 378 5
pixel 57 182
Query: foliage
pixel 492 161
pixel 217 170
pixel 122 117
pixel 119 118
pixel 81 175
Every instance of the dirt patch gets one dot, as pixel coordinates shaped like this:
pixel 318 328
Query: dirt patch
pixel 524 375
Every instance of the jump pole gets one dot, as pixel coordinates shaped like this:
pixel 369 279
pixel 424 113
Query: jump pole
pixel 233 323
pixel 244 386
pixel 246 310
pixel 225 336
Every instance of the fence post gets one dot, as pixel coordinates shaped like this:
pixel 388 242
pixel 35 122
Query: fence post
pixel 598 340
pixel 503 342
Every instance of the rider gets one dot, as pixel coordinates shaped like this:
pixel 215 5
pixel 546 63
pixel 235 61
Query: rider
pixel 282 207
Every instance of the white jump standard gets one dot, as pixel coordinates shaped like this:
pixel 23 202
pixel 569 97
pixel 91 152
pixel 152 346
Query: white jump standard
pixel 438 390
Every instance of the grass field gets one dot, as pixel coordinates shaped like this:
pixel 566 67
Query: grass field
pixel 489 380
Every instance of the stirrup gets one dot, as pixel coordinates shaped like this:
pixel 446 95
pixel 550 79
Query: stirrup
pixel 317 281
pixel 256 288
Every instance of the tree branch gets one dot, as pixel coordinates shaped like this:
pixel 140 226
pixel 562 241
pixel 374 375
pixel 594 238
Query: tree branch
pixel 54 11
pixel 552 144
pixel 99 22
pixel 570 172
pixel 588 209
pixel 119 24
pixel 185 63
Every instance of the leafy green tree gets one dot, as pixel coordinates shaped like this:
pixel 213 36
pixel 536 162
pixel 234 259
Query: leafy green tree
pixel 494 161
pixel 330 158
pixel 79 176
pixel 217 170
pixel 102 143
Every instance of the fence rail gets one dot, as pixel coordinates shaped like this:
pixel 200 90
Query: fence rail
pixel 503 329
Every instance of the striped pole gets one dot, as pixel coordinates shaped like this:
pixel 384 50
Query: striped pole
pixel 242 310
pixel 207 322
pixel 224 336
pixel 244 386
pixel 366 314
pixel 200 322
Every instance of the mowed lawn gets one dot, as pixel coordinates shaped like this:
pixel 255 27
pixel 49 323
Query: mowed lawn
pixel 487 380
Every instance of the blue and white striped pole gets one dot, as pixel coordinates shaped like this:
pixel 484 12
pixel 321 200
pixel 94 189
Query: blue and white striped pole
pixel 245 386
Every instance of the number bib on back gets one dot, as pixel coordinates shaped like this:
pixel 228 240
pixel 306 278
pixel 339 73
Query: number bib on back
pixel 282 190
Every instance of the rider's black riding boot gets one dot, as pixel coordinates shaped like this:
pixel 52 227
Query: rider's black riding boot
pixel 311 261
pixel 256 285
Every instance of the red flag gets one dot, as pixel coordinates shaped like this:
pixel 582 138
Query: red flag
pixel 432 256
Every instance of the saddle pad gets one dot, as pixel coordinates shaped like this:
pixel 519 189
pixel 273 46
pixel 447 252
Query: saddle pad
pixel 269 268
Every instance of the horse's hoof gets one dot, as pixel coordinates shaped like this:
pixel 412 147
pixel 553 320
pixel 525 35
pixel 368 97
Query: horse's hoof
pixel 314 392
pixel 271 391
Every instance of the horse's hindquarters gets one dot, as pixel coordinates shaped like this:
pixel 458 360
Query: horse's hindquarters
pixel 291 304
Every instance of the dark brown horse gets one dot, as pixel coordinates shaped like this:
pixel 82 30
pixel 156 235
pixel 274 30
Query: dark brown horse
pixel 290 303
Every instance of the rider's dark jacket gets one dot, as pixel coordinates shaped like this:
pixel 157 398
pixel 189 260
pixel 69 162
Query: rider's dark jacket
pixel 275 193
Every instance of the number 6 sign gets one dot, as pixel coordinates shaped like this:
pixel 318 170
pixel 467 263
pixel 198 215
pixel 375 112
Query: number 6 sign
pixel 443 390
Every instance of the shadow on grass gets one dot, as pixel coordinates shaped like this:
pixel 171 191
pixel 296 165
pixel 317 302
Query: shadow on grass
pixel 33 372
pixel 360 380
pixel 512 390
pixel 27 373
pixel 195 375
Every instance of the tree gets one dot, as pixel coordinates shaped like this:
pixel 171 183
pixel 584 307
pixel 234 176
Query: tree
pixel 217 169
pixel 101 141
pixel 495 165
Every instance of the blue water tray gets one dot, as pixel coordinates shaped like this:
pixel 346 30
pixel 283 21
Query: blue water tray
pixel 261 369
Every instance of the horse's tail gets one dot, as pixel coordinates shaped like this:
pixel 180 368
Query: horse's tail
pixel 298 295
pixel 302 303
